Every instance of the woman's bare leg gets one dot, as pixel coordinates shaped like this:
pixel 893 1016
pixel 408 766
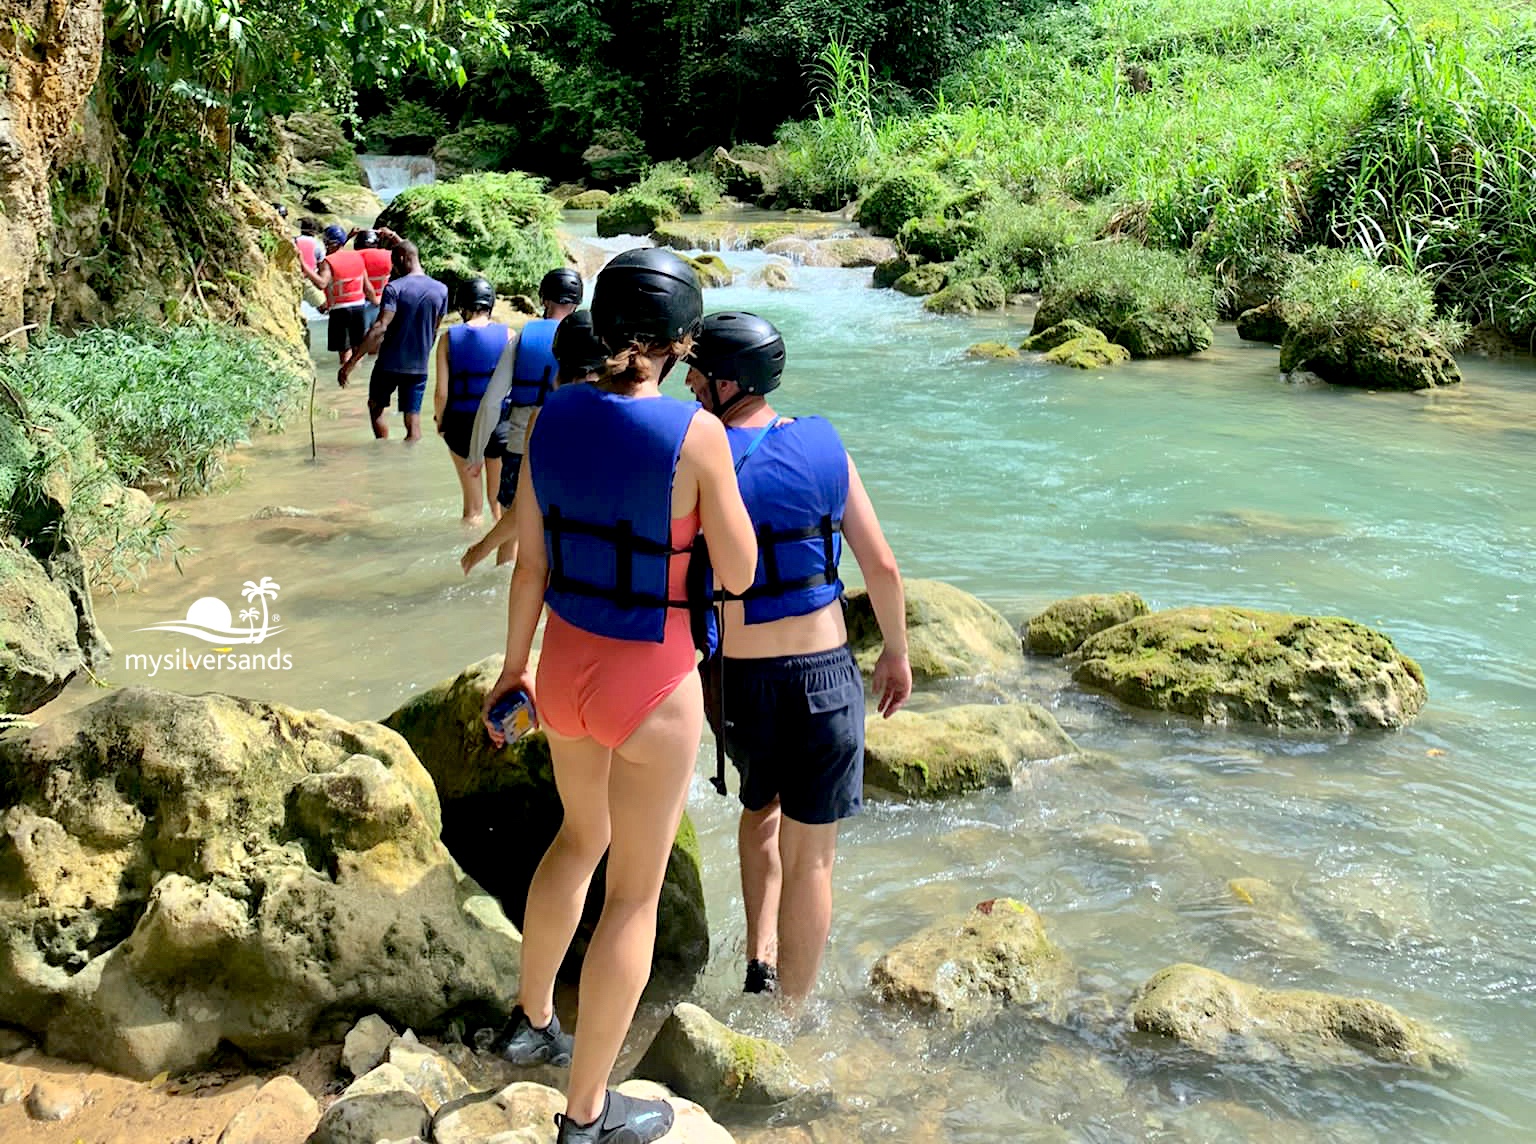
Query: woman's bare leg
pixel 647 789
pixel 493 486
pixel 762 877
pixel 559 887
pixel 469 489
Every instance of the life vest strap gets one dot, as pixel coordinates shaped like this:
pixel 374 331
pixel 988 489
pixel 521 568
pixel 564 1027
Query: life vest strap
pixel 773 583
pixel 626 546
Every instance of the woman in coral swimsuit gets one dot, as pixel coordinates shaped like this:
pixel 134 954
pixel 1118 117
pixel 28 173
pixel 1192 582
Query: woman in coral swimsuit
pixel 618 481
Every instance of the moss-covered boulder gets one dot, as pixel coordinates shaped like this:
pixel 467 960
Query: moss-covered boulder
pixel 1233 1020
pixel 1376 358
pixel 1067 623
pixel 350 201
pixel 1144 300
pixel 854 252
pixel 950 633
pixel 497 225
pixel 588 201
pixel 1224 664
pixel 711 269
pixel 888 272
pixel 475 147
pixel 634 212
pixel 898 197
pixel 922 280
pixel 932 239
pixel 992 351
pixel 315 136
pixel 970 965
pixel 179 872
pixel 959 749
pixel 971 296
pixel 1264 323
pixel 501 811
pixel 1059 334
pixel 729 1073
pixel 1093 351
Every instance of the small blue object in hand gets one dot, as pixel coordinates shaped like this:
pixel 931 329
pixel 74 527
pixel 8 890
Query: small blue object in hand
pixel 513 713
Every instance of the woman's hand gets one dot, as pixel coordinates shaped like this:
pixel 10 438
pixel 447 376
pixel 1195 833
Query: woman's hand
pixel 472 556
pixel 505 683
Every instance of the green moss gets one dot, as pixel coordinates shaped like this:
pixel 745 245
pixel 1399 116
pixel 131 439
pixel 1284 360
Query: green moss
pixel 901 196
pixel 992 351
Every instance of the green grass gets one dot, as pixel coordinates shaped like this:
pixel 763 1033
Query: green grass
pixel 1342 294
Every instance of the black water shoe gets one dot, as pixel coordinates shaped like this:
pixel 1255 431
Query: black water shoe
pixel 625 1120
pixel 522 1044
pixel 761 978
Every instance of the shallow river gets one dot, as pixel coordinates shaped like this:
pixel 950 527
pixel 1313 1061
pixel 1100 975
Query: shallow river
pixel 1409 856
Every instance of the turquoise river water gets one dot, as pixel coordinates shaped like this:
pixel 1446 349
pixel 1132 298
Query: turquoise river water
pixel 1408 858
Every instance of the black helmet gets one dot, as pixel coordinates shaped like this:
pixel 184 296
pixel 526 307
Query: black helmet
pixel 576 347
pixel 477 294
pixel 561 286
pixel 365 240
pixel 648 295
pixel 740 347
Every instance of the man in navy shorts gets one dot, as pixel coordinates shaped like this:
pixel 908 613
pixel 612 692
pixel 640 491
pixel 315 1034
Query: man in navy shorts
pixel 403 335
pixel 792 696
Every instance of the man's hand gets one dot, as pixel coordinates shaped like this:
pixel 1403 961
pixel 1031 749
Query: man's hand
pixel 892 682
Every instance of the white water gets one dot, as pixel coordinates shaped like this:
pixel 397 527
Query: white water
pixel 388 175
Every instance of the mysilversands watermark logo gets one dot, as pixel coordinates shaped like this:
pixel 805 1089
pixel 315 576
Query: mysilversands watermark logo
pixel 210 620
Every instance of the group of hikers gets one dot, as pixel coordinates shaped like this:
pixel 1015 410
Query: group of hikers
pixel 688 553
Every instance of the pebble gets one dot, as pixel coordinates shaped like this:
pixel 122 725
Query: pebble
pixel 12 1086
pixel 50 1100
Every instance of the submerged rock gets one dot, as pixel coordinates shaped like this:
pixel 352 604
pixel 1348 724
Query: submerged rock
pixel 992 351
pixel 950 633
pixel 1378 358
pixel 501 812
pixel 971 964
pixel 1088 353
pixel 722 1070
pixel 1223 664
pixel 181 871
pixel 959 749
pixel 1065 624
pixel 1234 1020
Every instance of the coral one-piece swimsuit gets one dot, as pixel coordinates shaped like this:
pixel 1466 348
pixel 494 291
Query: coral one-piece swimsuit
pixel 593 686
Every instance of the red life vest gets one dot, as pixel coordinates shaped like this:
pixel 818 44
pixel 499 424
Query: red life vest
pixel 347 274
pixel 378 263
pixel 309 250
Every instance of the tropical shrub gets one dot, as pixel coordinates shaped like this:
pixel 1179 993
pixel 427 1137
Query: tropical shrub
pixel 407 128
pixel 691 192
pixel 1339 294
pixel 898 197
pixel 1016 241
pixel 1146 300
pixel 476 147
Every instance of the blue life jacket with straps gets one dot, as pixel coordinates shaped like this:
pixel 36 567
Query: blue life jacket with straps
pixel 473 352
pixel 794 480
pixel 603 467
pixel 534 369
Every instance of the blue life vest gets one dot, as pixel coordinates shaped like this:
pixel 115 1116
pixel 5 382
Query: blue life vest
pixel 473 352
pixel 534 369
pixel 602 469
pixel 794 480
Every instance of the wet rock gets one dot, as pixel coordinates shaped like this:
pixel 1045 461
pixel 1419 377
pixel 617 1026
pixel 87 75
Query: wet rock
pixel 1233 1020
pixel 847 252
pixel 701 234
pixel 775 276
pixel 923 280
pixel 958 749
pixel 13 1041
pixel 1378 358
pixel 1373 908
pixel 1111 308
pixel 13 1085
pixel 501 812
pixel 1117 841
pixel 799 251
pixel 1088 353
pixel 711 270
pixel 971 296
pixel 992 351
pixel 1090 1080
pixel 693 1125
pixel 1223 664
pixel 367 1045
pixel 431 1077
pixel 1263 323
pixel 1065 624
pixel 282 512
pixel 723 1070
pixel 521 1108
pixel 206 869
pixel 281 1111
pixel 1059 334
pixel 54 1100
pixel 950 633
pixel 588 201
pixel 969 965
pixel 890 271
pixel 1269 916
pixel 349 201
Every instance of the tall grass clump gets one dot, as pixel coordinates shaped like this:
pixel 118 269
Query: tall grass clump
pixel 1146 300
pixel 691 192
pixel 1339 295
pixel 1017 241
pixel 163 405
pixel 497 225
pixel 825 159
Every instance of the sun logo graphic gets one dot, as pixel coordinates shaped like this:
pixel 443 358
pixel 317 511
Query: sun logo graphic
pixel 210 619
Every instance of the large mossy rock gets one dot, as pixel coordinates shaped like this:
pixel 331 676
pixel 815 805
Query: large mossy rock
pixel 180 872
pixel 497 225
pixel 1223 664
pixel 1264 323
pixel 950 632
pixel 900 196
pixel 922 280
pixel 1102 285
pixel 710 269
pixel 729 1073
pixel 588 201
pixel 970 965
pixel 501 811
pixel 1377 358
pixel 634 212
pixel 958 749
pixel 1057 335
pixel 1092 351
pixel 889 272
pixel 970 296
pixel 1233 1020
pixel 350 201
pixel 937 239
pixel 1065 624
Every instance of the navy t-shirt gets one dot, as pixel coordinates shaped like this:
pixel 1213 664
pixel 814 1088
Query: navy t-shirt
pixel 418 303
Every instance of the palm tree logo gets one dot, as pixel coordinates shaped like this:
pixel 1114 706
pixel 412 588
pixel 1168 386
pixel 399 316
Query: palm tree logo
pixel 263 591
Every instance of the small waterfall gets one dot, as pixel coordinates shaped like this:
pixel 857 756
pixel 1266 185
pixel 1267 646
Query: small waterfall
pixel 388 175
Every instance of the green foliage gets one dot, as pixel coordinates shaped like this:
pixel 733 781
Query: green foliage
pixel 937 239
pixel 476 147
pixel 901 196
pixel 1016 241
pixel 635 211
pixel 497 225
pixel 691 192
pixel 163 404
pixel 1146 300
pixel 824 160
pixel 407 128
pixel 1336 295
